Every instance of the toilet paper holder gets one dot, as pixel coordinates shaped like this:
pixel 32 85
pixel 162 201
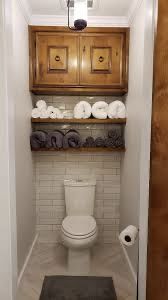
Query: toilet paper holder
pixel 129 235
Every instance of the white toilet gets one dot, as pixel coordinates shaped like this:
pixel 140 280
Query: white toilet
pixel 79 229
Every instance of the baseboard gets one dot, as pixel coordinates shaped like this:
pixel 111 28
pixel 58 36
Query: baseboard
pixel 27 259
pixel 129 262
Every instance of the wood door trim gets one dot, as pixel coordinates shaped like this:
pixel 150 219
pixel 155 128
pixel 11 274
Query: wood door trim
pixel 157 263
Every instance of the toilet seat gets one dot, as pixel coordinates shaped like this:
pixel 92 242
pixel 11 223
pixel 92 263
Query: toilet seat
pixel 79 227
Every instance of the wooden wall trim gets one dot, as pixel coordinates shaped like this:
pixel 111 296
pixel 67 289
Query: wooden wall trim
pixel 157 267
pixel 86 30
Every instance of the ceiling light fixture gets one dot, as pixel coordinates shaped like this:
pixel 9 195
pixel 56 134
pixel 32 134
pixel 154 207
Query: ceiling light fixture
pixel 80 14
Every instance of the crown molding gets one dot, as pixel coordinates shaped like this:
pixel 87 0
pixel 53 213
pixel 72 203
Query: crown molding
pixel 93 21
pixel 25 9
pixel 133 11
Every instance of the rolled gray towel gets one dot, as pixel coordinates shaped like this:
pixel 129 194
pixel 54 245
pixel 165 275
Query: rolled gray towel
pixel 113 133
pixel 109 143
pixel 72 139
pixel 38 139
pixel 55 139
pixel 99 142
pixel 89 142
pixel 114 143
pixel 120 142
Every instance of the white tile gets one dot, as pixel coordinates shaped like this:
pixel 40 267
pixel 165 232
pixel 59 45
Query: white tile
pixel 50 221
pixel 58 183
pixel 112 190
pixel 44 177
pixel 111 177
pixel 77 171
pixel 59 202
pixel 44 227
pixel 51 196
pixel 111 165
pixel 98 212
pixel 44 202
pixel 58 189
pixel 52 208
pixel 45 183
pixel 110 228
pixel 44 189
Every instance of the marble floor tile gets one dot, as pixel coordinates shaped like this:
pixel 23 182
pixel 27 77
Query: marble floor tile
pixel 51 259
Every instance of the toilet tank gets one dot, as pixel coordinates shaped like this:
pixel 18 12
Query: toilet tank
pixel 79 197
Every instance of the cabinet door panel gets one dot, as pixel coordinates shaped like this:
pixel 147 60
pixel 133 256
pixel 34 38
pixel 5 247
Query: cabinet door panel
pixel 102 60
pixel 56 59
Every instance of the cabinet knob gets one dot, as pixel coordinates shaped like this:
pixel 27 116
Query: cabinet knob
pixel 84 49
pixel 101 59
pixel 57 58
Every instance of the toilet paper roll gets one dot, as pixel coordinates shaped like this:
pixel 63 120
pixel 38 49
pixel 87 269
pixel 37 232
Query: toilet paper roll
pixel 128 235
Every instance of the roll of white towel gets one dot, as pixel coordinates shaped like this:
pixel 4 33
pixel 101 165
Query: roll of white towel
pixel 82 110
pixel 41 105
pixel 35 113
pixel 44 114
pixel 100 110
pixel 56 114
pixel 50 109
pixel 116 109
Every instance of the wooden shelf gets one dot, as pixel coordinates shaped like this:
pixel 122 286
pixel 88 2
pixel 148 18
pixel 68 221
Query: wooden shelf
pixel 83 149
pixel 80 121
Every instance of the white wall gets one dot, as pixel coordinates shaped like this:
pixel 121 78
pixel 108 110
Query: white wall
pixel 130 169
pixel 136 162
pixel 8 260
pixel 25 208
pixel 150 25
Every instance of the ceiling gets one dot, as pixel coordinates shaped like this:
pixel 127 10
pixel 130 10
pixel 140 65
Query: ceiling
pixel 113 8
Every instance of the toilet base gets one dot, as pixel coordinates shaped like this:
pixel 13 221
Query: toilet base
pixel 79 261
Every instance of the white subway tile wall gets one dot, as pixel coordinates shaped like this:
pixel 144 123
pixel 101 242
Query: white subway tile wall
pixel 51 168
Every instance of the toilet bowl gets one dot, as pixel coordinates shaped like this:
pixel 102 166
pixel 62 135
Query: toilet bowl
pixel 79 229
pixel 79 232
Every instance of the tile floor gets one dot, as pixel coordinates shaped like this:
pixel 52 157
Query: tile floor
pixel 50 259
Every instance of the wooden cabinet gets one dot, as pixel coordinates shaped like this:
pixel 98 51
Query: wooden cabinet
pixel 56 59
pixel 90 62
pixel 102 60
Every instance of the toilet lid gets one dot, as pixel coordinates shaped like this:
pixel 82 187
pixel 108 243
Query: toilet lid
pixel 79 225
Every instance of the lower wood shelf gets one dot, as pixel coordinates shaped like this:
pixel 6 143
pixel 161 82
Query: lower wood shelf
pixel 83 149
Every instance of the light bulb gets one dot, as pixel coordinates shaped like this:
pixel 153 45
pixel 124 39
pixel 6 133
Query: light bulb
pixel 80 14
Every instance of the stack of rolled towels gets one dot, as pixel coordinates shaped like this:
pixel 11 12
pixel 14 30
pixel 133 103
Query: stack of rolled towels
pixel 72 139
pixel 82 110
pixel 55 139
pixel 113 140
pixel 100 110
pixel 43 111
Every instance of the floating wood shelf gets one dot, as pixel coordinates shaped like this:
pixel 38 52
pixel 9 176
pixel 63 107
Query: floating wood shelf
pixel 83 149
pixel 80 121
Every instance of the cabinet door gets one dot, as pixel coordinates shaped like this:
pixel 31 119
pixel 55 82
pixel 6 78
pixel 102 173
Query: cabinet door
pixel 57 59
pixel 103 60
